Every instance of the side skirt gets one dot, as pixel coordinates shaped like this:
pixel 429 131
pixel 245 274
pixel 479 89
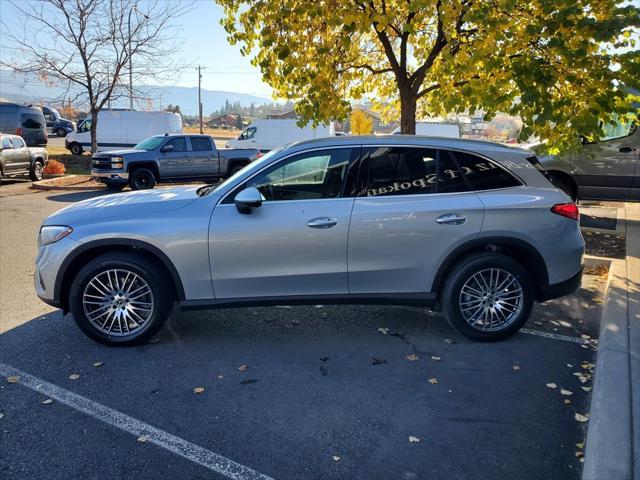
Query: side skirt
pixel 411 299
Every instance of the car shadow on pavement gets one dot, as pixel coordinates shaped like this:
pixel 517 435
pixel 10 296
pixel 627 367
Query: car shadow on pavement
pixel 78 196
pixel 288 388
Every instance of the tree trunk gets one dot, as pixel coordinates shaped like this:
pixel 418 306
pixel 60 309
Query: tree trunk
pixel 94 130
pixel 408 102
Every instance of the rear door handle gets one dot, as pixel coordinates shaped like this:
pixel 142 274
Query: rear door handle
pixel 322 222
pixel 451 219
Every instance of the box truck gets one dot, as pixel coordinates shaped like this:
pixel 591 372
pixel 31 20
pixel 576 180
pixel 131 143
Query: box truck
pixel 265 135
pixel 119 129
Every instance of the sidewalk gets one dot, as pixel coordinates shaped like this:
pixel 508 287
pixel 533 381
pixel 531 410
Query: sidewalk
pixel 613 439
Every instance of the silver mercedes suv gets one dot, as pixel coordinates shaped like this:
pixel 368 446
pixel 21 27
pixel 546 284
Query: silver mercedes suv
pixel 472 228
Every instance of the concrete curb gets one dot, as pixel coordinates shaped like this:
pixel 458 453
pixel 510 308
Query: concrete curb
pixel 613 437
pixel 49 184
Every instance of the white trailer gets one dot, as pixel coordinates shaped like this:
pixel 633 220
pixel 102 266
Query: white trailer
pixel 435 129
pixel 268 134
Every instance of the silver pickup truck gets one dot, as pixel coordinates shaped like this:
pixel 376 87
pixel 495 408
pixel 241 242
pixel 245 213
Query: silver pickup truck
pixel 168 158
pixel 16 159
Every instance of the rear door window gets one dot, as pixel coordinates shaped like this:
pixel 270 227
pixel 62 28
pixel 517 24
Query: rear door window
pixel 483 174
pixel 31 120
pixel 17 142
pixel 200 144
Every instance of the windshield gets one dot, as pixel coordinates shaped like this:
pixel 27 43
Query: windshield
pixel 207 189
pixel 149 144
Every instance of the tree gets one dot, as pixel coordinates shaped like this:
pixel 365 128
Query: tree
pixel 361 123
pixel 239 122
pixel 89 45
pixel 557 64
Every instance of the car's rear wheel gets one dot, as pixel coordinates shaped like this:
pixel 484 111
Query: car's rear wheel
pixel 120 299
pixel 75 148
pixel 487 296
pixel 37 171
pixel 142 179
pixel 61 132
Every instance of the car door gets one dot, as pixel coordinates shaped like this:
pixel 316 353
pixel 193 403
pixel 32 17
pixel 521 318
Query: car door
pixel 21 154
pixel 606 169
pixel 174 158
pixel 204 159
pixel 295 243
pixel 412 208
pixel 8 155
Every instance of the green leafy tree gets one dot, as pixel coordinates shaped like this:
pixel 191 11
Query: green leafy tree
pixel 558 64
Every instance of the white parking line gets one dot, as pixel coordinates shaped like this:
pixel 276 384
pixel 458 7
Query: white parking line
pixel 555 336
pixel 177 445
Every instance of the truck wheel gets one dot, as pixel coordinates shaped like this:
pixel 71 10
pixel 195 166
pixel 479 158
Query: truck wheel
pixel 487 296
pixel 142 179
pixel 76 148
pixel 115 186
pixel 61 132
pixel 36 172
pixel 233 169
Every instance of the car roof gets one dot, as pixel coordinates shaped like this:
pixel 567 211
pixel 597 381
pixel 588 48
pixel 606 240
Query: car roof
pixel 422 140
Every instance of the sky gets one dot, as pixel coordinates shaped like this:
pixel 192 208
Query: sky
pixel 204 43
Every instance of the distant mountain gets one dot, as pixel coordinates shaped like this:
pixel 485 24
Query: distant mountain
pixel 25 88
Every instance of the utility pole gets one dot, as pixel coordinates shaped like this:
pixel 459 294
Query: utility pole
pixel 134 7
pixel 200 96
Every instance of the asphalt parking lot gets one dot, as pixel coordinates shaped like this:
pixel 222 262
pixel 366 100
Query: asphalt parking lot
pixel 363 392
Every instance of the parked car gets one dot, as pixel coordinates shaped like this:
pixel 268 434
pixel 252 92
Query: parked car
pixel 434 129
pixel 119 129
pixel 605 170
pixel 16 159
pixel 26 121
pixel 474 227
pixel 168 157
pixel 56 124
pixel 265 135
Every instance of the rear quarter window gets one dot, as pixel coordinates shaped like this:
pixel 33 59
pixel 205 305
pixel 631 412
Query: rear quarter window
pixel 483 174
pixel 31 120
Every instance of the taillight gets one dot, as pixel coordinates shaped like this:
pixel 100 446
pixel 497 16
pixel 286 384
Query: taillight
pixel 569 210
pixel 259 154
pixel 19 131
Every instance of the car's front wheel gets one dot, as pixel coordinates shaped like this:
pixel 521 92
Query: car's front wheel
pixel 120 299
pixel 37 171
pixel 487 296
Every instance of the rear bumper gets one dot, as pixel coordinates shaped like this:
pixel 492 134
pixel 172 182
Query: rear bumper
pixel 563 288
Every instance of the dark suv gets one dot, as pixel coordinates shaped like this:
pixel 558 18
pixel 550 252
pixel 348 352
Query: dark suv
pixel 26 121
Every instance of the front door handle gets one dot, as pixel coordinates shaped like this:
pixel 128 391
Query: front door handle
pixel 322 222
pixel 451 219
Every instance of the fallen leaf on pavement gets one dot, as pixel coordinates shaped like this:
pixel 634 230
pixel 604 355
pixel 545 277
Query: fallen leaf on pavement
pixel 1 415
pixel 242 368
pixel 378 361
pixel 515 367
pixel 413 439
pixel 435 358
pixel 449 340
pixel 569 365
pixel 412 358
pixel 220 376
pixel 552 385
pixel 383 330
pixel 48 401
pixel 433 381
pixel 567 401
pixel 586 389
pixel 585 337
pixel 580 445
pixel 566 392
pixel 13 378
pixel 538 323
pixel 142 439
pixel 198 390
pixel 74 376
pixel 581 418
pixel 583 379
pixel 579 453
pixel 336 458
pixel 97 364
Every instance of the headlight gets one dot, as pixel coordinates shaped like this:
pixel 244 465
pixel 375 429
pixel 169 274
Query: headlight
pixel 53 233
pixel 117 162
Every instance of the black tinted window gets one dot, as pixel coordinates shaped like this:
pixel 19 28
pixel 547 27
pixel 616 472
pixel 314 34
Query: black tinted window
pixel 179 144
pixel 312 175
pixel 31 120
pixel 200 144
pixel 481 174
pixel 399 171
pixel 449 177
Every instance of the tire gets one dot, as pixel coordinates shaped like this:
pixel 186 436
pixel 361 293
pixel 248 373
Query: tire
pixel 142 179
pixel 114 186
pixel 37 171
pixel 565 184
pixel 76 148
pixel 90 298
pixel 61 132
pixel 496 316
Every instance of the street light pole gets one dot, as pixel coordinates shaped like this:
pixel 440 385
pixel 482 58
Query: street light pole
pixel 200 97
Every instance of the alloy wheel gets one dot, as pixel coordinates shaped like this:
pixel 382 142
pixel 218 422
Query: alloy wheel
pixel 491 299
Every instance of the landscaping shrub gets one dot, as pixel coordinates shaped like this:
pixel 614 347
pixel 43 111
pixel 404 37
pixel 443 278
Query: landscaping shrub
pixel 53 167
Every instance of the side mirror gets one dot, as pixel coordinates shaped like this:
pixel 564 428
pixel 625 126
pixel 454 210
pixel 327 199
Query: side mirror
pixel 167 148
pixel 247 199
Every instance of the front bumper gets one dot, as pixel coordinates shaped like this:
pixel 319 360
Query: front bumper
pixel 48 264
pixel 563 288
pixel 112 176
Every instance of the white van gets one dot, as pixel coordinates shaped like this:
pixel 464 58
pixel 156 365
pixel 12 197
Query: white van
pixel 434 129
pixel 119 129
pixel 268 134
